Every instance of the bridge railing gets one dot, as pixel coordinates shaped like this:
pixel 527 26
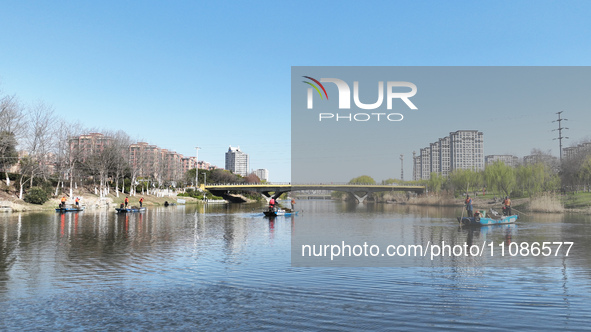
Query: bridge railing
pixel 312 184
pixel 248 184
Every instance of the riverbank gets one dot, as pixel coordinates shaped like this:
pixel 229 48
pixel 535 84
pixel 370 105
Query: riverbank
pixel 544 203
pixel 91 201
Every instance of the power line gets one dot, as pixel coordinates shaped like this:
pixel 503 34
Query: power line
pixel 560 128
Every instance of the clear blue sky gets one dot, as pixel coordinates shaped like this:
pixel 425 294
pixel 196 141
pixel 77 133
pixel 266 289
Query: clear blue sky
pixel 181 74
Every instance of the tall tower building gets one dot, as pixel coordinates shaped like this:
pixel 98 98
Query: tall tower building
pixel 237 161
pixel 262 173
pixel 466 150
pixel 444 161
pixel 435 151
pixel 425 163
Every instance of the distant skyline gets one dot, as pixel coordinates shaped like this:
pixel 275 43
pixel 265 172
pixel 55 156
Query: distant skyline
pixel 217 74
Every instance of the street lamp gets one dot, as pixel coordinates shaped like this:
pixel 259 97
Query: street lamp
pixel 197 168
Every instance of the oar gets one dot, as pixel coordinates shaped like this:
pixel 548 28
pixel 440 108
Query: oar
pixel 520 211
pixel 463 208
pixel 465 205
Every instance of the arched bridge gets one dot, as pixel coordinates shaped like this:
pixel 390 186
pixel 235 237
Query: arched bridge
pixel 360 191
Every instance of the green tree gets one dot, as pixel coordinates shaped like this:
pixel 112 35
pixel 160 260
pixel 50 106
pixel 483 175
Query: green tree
pixel 364 179
pixel 533 179
pixel 36 195
pixel 435 182
pixel 461 180
pixel 585 172
pixel 392 181
pixel 500 177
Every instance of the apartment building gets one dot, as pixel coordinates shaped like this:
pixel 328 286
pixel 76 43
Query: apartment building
pixel 462 149
pixel 237 161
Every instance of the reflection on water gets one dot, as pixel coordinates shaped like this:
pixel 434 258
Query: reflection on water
pixel 227 267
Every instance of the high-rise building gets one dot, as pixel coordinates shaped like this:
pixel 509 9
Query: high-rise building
pixel 463 149
pixel 262 173
pixel 237 161
pixel 425 163
pixel 582 149
pixel 416 166
pixel 444 161
pixel 435 150
pixel 466 150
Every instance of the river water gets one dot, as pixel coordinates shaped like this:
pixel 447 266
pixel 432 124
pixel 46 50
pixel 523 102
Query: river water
pixel 228 268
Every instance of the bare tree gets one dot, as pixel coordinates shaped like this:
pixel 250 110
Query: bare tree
pixel 40 138
pixel 8 154
pixel 12 116
pixel 12 123
pixel 138 163
pixel 119 152
pixel 27 167
pixel 67 154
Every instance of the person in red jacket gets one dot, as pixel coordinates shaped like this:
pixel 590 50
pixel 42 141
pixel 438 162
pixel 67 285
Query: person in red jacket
pixel 141 201
pixel 126 201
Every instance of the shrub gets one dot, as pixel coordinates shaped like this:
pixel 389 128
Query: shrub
pixel 36 195
pixel 546 202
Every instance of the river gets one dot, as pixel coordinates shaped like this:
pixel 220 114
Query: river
pixel 228 268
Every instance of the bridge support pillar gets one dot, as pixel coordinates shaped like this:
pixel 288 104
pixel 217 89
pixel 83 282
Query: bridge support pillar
pixel 268 195
pixel 361 199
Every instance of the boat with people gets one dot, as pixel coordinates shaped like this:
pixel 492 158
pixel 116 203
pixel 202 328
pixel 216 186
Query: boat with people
pixel 130 210
pixel 480 219
pixel 279 212
pixel 70 209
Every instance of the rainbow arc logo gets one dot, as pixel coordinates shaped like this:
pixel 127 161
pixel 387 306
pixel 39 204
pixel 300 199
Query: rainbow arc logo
pixel 316 87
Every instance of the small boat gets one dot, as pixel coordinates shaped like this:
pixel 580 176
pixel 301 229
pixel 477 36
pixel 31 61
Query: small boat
pixel 130 210
pixel 483 221
pixel 70 209
pixel 280 212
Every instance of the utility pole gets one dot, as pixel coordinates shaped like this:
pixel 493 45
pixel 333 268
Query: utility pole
pixel 414 171
pixel 560 128
pixel 401 167
pixel 197 168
